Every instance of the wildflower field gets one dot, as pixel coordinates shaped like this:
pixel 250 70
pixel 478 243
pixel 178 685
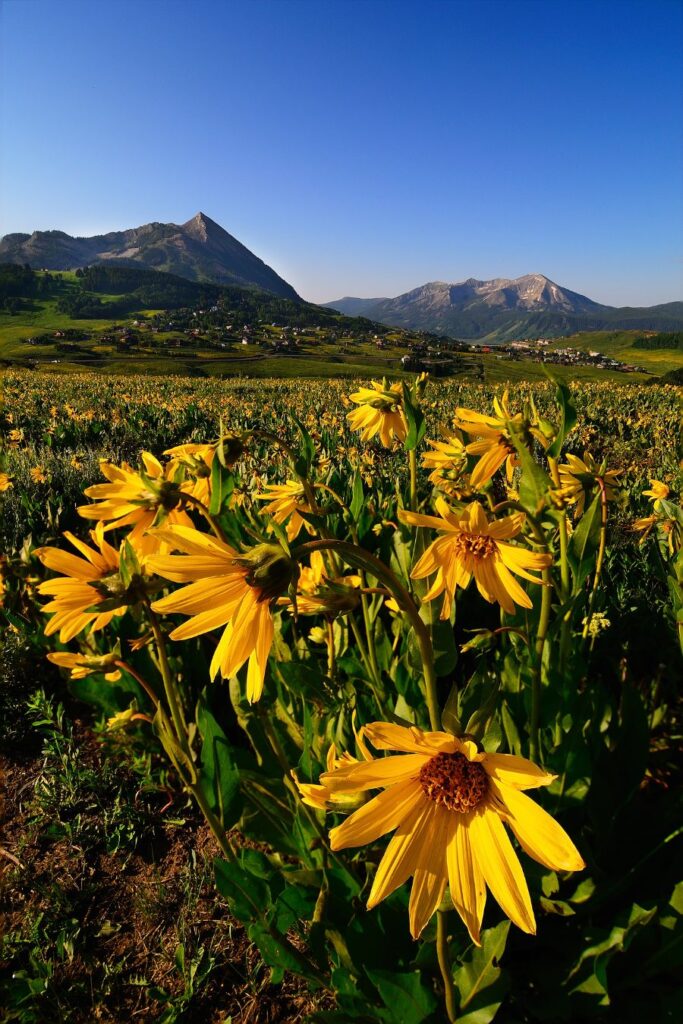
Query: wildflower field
pixel 340 701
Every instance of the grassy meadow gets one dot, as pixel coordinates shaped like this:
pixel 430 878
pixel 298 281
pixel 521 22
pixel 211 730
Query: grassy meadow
pixel 187 831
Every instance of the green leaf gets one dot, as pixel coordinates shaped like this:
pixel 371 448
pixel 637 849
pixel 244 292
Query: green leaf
pixel 246 894
pixel 222 486
pixel 417 425
pixel 584 542
pixel 534 482
pixel 358 497
pixel 303 466
pixel 407 998
pixel 480 982
pixel 567 416
pixel 219 776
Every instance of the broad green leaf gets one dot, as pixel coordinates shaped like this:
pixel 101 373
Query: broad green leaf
pixel 219 776
pixel 408 998
pixel 480 982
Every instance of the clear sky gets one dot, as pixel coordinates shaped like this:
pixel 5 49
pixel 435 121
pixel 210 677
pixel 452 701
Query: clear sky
pixel 360 148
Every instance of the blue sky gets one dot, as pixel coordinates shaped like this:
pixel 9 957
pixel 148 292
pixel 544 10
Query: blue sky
pixel 365 147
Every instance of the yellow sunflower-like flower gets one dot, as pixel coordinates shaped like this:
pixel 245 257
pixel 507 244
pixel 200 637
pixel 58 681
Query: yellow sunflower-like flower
pixel 225 588
pixel 447 804
pixel 494 445
pixel 579 478
pixel 469 546
pixel 89 593
pixel 380 411
pixel 285 500
pixel 38 475
pixel 140 499
pixel 5 482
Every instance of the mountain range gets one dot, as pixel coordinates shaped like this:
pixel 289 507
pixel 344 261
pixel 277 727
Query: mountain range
pixel 503 309
pixel 199 250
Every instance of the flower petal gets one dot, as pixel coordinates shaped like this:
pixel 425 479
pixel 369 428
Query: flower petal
pixel 501 868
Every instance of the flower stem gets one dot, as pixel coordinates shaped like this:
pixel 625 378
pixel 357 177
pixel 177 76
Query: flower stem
pixel 444 965
pixel 364 560
pixel 600 559
pixel 412 460
pixel 543 621
pixel 172 695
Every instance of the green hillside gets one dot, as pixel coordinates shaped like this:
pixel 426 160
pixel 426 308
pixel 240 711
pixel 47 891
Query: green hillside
pixel 131 320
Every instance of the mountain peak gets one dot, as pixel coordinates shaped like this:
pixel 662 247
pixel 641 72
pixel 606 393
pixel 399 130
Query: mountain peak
pixel 200 250
pixel 201 226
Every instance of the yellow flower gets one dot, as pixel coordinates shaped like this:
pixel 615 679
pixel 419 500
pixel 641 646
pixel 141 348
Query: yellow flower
pixel 379 412
pixel 75 462
pixel 82 665
pixel 197 460
pixel 495 446
pixel 225 589
pixel 89 593
pixel 316 592
pixel 321 797
pixel 121 719
pixel 579 477
pixel 38 475
pixel 658 491
pixel 448 804
pixel 447 461
pixel 469 545
pixel 5 482
pixel 140 500
pixel 287 500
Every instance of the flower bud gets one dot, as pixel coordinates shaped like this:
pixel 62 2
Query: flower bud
pixel 269 569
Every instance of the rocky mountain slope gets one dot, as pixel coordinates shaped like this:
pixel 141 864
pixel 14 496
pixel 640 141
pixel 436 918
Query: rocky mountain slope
pixel 504 309
pixel 199 250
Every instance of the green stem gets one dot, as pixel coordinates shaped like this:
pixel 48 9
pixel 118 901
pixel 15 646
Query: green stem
pixel 600 559
pixel 412 460
pixel 139 679
pixel 201 507
pixel 444 965
pixel 364 560
pixel 172 695
pixel 565 632
pixel 541 635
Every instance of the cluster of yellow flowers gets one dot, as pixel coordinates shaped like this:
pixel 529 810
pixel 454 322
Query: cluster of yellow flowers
pixel 446 801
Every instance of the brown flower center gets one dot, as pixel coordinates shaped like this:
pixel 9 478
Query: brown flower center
pixel 475 544
pixel 454 782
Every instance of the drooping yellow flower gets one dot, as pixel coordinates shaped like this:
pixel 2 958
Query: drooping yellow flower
pixel 139 499
pixel 225 588
pixel 579 478
pixel 89 593
pixel 285 500
pixel 316 592
pixel 658 491
pixel 197 459
pixel 5 482
pixel 380 411
pixel 82 665
pixel 321 797
pixel 447 804
pixel 469 546
pixel 448 460
pixel 494 444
